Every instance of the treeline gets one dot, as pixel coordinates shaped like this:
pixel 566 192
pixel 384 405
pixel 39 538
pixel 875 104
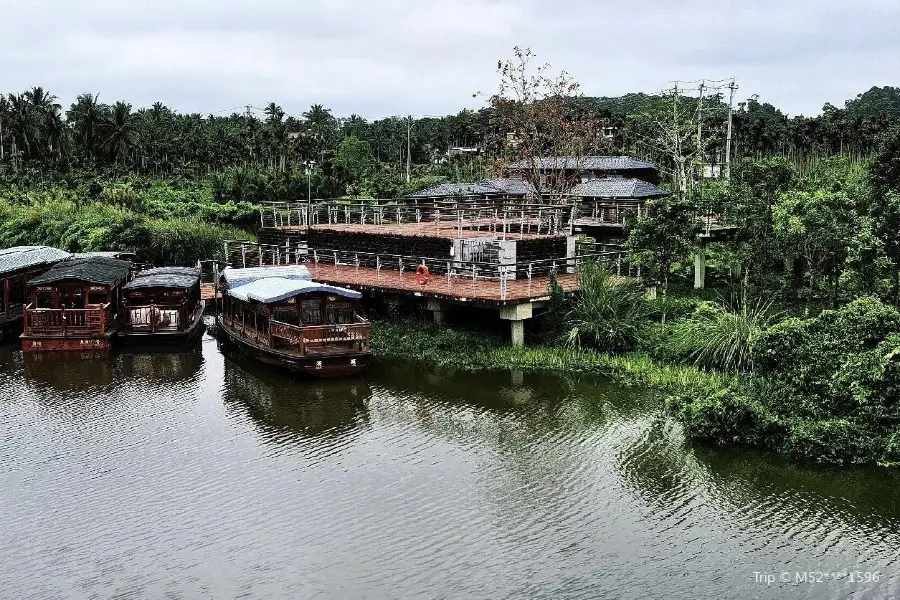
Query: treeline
pixel 40 141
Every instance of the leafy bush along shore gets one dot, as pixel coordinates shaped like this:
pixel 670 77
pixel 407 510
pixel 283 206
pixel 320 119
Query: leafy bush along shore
pixel 825 388
pixel 66 220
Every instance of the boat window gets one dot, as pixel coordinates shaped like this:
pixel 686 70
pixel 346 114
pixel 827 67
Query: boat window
pixel 97 298
pixel 45 300
pixel 74 298
pixel 339 312
pixel 311 312
pixel 287 314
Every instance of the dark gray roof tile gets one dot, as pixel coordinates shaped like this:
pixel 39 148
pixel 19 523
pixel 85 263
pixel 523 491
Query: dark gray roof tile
pixel 617 187
pixel 22 257
pixel 98 270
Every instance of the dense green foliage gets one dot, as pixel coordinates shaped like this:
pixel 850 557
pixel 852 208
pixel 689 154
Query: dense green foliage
pixel 828 390
pixel 41 142
pixel 60 219
pixel 716 336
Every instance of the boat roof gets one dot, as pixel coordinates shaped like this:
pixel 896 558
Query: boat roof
pixel 168 271
pixel 239 277
pixel 175 281
pixel 277 289
pixel 22 257
pixel 121 254
pixel 98 270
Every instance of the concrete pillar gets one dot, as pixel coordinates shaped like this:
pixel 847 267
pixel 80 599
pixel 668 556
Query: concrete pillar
pixel 517 329
pixel 699 270
pixel 437 308
pixel 516 315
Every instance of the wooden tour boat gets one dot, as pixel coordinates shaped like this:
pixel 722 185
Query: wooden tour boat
pixel 281 317
pixel 162 305
pixel 17 266
pixel 75 305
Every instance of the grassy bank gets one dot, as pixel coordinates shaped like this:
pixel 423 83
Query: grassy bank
pixel 413 339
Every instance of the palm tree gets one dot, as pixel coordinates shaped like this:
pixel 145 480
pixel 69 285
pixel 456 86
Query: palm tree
pixel 86 115
pixel 322 127
pixel 22 126
pixel 119 132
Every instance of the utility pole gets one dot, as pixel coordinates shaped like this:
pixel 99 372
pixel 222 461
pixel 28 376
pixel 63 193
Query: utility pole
pixel 732 87
pixel 408 145
pixel 699 160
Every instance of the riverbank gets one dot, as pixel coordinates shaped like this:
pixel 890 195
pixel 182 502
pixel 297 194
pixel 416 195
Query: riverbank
pixel 825 389
pixel 423 341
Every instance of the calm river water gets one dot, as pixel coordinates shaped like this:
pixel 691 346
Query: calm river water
pixel 194 476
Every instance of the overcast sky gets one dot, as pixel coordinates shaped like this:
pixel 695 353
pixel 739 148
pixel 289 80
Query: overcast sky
pixel 428 56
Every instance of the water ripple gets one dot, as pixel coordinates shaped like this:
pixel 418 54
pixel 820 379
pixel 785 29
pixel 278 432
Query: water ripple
pixel 195 475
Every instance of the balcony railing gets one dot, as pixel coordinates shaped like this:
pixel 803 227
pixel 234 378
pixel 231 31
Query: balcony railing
pixel 67 321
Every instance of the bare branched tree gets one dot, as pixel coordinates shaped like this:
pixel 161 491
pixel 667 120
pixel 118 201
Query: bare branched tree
pixel 545 133
pixel 674 125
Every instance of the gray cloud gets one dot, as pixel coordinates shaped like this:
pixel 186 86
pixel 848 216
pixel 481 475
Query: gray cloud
pixel 428 57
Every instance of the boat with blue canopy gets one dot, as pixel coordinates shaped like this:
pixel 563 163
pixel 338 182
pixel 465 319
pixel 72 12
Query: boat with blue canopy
pixel 280 316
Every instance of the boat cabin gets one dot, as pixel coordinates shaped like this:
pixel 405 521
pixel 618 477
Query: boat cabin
pixel 295 322
pixel 162 305
pixel 17 266
pixel 75 305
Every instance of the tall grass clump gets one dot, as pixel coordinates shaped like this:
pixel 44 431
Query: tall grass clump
pixel 718 336
pixel 609 314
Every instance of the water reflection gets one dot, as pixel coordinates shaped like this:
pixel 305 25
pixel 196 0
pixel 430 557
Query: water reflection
pixel 162 365
pixel 281 404
pixel 68 371
pixel 192 475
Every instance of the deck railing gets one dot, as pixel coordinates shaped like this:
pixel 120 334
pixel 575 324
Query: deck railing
pixel 398 267
pixel 508 217
pixel 67 321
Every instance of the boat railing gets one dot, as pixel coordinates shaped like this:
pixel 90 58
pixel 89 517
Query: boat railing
pixel 308 337
pixel 64 321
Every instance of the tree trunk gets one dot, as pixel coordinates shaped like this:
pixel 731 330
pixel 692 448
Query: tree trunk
pixel 896 284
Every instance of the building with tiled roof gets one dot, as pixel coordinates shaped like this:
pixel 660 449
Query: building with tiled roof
pixel 508 187
pixel 588 167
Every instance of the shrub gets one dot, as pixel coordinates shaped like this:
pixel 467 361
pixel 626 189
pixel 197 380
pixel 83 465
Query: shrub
pixel 609 314
pixel 715 336
pixel 838 441
pixel 725 417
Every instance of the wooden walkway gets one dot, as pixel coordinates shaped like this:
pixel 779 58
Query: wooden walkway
pixel 459 289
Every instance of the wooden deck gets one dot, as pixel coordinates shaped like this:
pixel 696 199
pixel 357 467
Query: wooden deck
pixel 460 289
